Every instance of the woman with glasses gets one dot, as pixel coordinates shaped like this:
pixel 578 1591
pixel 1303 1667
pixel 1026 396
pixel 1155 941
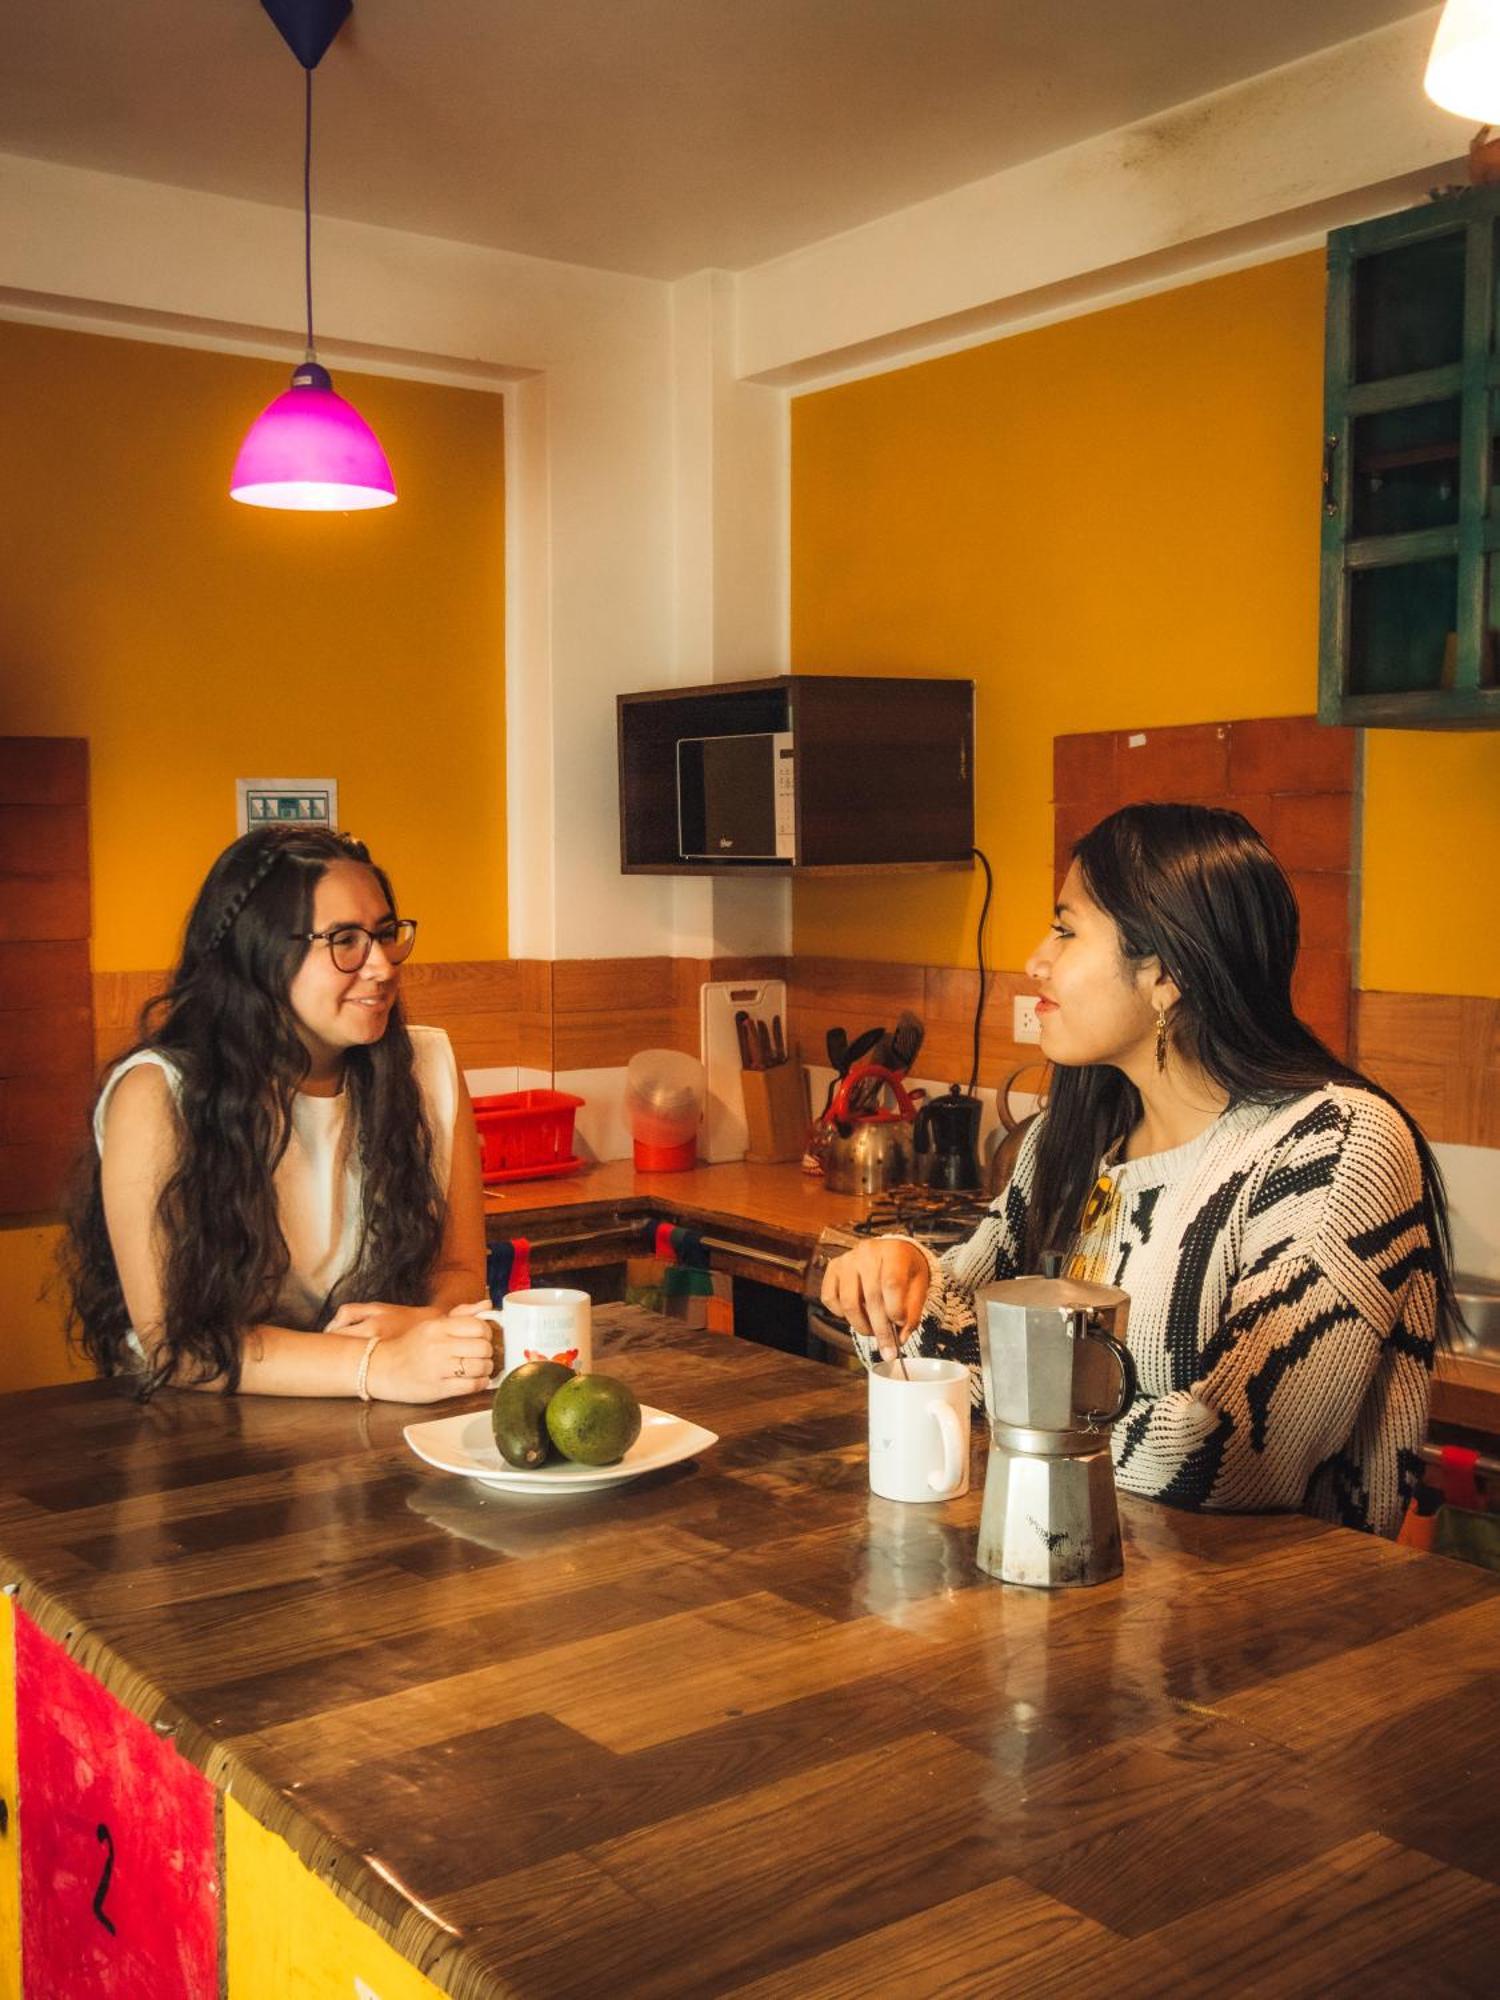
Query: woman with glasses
pixel 284 1192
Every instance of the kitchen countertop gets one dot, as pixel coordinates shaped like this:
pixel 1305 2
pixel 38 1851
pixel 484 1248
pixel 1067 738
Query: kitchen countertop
pixel 780 1199
pixel 789 1208
pixel 742 1727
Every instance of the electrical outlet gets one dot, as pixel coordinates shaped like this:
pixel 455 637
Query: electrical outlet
pixel 1024 1026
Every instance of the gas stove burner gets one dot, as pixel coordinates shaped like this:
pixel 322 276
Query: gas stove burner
pixel 940 1217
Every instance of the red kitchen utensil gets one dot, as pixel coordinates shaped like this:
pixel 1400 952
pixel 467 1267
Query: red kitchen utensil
pixel 839 1113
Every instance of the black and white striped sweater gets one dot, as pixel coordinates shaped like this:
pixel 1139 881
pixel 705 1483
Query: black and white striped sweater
pixel 1282 1308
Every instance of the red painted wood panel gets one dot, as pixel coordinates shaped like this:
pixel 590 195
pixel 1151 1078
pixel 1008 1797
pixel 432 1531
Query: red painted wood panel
pixel 46 997
pixel 119 1871
pixel 1291 778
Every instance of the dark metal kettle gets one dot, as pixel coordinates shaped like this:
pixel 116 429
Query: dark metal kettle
pixel 945 1141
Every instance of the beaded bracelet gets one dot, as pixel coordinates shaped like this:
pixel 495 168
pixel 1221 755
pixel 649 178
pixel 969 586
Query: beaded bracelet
pixel 362 1379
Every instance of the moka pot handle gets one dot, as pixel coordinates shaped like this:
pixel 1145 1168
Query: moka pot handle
pixel 1101 1419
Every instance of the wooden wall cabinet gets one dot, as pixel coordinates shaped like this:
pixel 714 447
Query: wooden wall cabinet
pixel 884 770
pixel 1411 525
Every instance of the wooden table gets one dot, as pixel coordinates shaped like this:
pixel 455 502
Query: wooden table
pixel 740 1727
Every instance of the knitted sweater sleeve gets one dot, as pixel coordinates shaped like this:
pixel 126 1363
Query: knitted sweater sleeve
pixel 1309 1386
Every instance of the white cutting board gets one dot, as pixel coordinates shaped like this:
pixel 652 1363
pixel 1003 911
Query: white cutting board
pixel 724 1135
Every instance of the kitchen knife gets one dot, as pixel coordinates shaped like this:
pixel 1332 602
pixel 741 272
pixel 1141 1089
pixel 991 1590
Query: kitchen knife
pixel 763 1045
pixel 746 1036
pixel 778 1045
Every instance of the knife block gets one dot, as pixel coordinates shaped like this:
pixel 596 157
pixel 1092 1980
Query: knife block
pixel 775 1112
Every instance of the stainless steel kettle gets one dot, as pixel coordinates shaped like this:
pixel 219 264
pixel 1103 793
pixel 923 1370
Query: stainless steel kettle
pixel 867 1153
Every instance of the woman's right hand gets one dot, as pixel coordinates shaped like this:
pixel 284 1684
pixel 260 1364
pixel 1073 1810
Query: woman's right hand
pixel 879 1288
pixel 445 1355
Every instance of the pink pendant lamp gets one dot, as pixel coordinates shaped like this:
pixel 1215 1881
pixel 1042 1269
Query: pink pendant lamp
pixel 310 451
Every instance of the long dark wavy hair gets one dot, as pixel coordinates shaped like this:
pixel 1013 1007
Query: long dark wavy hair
pixel 1197 889
pixel 227 1027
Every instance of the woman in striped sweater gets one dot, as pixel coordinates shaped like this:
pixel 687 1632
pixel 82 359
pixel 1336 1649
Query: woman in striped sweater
pixel 1276 1218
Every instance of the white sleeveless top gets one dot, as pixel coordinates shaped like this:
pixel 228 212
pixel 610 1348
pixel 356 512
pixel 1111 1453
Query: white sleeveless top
pixel 318 1192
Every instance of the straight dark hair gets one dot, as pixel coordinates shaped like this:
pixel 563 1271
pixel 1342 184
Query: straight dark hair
pixel 226 1025
pixel 1197 889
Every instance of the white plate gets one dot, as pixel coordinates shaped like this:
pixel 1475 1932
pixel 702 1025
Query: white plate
pixel 466 1444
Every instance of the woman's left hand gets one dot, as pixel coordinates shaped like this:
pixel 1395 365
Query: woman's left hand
pixel 386 1321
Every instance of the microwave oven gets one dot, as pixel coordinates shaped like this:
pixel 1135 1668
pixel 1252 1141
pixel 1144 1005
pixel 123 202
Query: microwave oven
pixel 737 797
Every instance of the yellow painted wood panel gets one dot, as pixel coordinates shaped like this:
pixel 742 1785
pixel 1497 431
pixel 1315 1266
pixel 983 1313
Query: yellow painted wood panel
pixel 289 1935
pixel 35 1351
pixel 10 1840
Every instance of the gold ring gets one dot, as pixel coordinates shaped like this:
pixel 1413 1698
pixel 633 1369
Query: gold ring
pixel 461 1372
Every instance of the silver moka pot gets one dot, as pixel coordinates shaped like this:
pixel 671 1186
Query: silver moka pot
pixel 1057 1374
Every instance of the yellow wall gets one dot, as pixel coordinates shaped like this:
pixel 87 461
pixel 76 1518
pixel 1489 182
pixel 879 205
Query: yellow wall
pixel 1109 523
pixel 33 1349
pixel 194 641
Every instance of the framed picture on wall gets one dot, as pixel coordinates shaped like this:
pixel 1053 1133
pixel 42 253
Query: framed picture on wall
pixel 314 801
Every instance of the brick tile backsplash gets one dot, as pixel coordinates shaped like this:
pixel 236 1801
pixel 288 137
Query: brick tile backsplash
pixel 1283 754
pixel 1312 832
pixel 1324 903
pixel 1320 992
pixel 1083 767
pixel 1290 777
pixel 1189 762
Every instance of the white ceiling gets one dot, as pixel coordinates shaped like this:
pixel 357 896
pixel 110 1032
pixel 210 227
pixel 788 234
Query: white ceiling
pixel 652 136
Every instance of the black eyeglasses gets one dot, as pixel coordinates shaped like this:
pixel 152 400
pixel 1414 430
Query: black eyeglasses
pixel 349 946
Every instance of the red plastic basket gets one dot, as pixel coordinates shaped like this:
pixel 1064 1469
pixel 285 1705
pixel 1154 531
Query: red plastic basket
pixel 526 1134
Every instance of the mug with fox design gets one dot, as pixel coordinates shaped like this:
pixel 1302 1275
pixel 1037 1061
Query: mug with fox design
pixel 548 1323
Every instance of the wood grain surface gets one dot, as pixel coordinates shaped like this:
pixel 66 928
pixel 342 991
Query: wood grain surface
pixel 743 1728
pixel 46 1030
pixel 779 1199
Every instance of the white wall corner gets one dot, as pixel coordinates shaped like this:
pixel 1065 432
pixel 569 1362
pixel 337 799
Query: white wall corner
pixel 1272 161
pixel 731 563
pixel 529 755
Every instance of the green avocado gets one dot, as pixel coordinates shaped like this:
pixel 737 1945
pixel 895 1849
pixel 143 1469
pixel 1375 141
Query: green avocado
pixel 519 1412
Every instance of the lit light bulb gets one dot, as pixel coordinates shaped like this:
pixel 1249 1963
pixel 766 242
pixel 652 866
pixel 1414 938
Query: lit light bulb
pixel 1463 71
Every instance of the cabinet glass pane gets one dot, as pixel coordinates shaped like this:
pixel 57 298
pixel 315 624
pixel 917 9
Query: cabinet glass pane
pixel 1409 307
pixel 1401 624
pixel 1406 469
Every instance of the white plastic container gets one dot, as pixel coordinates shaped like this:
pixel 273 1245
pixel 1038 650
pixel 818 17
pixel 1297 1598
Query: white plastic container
pixel 664 1095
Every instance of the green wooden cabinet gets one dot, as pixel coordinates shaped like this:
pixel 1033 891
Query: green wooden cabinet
pixel 1411 509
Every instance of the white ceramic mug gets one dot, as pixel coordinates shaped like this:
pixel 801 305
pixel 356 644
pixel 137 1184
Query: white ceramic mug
pixel 548 1323
pixel 919 1430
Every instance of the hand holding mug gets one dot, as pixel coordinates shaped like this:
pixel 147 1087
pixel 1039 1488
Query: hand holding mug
pixel 442 1355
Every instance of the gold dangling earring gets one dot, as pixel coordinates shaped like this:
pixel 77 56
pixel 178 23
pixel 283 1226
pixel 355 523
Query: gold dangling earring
pixel 1161 1039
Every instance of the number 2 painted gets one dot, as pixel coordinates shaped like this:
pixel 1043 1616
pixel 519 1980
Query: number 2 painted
pixel 102 1835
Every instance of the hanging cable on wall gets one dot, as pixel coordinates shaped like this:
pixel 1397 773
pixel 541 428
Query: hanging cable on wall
pixel 984 978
